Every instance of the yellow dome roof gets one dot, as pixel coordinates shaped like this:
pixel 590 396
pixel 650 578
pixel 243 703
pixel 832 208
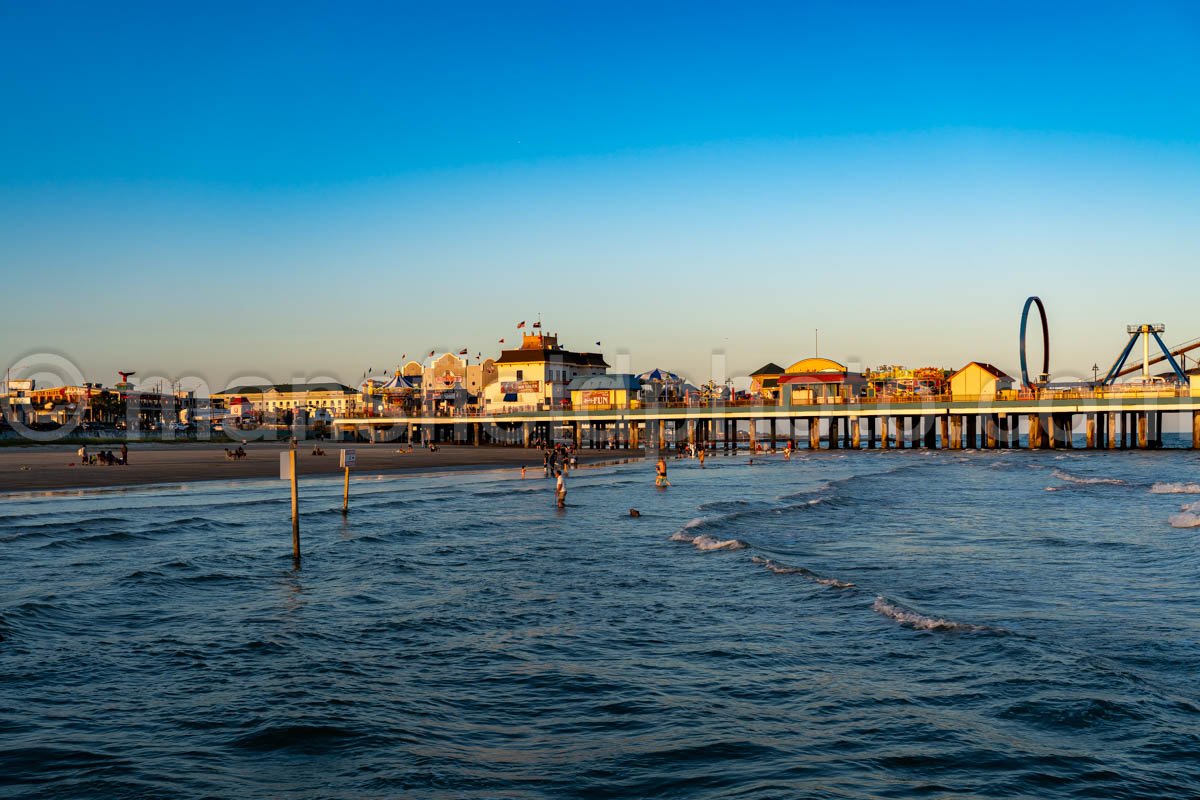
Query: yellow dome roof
pixel 816 365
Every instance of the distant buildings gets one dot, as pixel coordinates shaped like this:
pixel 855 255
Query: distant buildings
pixel 321 401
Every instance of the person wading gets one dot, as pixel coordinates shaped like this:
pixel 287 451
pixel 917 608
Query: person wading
pixel 660 473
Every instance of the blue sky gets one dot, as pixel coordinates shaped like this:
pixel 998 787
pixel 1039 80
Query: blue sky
pixel 311 189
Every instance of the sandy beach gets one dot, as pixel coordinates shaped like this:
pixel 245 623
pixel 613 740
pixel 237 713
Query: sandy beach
pixel 53 467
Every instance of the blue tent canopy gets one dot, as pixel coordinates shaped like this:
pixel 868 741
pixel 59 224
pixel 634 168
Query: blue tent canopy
pixel 660 376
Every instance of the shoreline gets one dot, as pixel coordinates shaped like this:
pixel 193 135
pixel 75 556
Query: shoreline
pixel 41 470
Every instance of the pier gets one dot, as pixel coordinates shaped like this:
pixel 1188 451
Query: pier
pixel 1105 422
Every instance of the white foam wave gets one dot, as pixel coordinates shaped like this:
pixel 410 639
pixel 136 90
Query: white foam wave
pixel 713 543
pixel 782 569
pixel 920 622
pixel 1175 488
pixel 1194 508
pixel 1066 476
pixel 1185 520
pixel 705 542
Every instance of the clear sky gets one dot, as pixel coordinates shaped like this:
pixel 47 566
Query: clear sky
pixel 309 189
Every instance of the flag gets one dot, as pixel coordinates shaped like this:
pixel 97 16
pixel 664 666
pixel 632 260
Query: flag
pixel 520 324
pixel 537 324
pixel 462 352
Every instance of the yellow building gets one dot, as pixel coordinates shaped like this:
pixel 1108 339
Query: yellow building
pixel 764 381
pixel 605 392
pixel 978 381
pixel 818 380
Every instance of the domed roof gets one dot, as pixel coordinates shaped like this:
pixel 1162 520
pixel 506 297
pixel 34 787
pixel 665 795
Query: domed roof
pixel 816 365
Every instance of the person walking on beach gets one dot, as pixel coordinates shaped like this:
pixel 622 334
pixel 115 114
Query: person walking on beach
pixel 124 453
pixel 560 490
pixel 660 473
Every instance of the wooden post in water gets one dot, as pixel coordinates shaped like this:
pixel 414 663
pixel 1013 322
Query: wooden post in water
pixel 295 505
pixel 855 434
pixel 1196 430
pixel 885 440
pixel 1035 432
pixel 1089 433
pixel 1143 425
pixel 833 433
pixel 814 433
pixel 944 426
pixel 348 458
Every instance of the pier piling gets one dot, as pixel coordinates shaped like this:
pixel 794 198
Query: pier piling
pixel 295 506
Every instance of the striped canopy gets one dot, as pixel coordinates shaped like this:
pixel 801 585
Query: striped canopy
pixel 660 376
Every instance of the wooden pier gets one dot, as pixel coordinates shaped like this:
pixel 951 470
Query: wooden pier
pixel 1104 423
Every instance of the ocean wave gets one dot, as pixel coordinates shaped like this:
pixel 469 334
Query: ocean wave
pixel 1175 488
pixel 921 622
pixel 1066 476
pixel 309 739
pixel 782 569
pixel 705 542
pixel 1186 519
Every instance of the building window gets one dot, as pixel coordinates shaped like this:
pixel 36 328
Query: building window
pixel 520 374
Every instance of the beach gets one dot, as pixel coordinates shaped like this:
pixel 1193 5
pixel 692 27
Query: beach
pixel 56 467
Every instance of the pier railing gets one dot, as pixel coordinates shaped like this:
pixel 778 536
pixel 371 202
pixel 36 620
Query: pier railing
pixel 1116 392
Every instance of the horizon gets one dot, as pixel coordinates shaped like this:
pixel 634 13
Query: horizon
pixel 292 191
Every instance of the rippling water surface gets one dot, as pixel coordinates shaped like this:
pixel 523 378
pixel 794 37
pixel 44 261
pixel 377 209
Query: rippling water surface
pixel 873 624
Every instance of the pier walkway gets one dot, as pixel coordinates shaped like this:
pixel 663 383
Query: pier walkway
pixel 1104 419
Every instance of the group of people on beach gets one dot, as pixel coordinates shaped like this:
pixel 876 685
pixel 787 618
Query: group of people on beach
pixel 235 455
pixel 104 457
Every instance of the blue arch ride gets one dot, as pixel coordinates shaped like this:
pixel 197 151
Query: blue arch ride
pixel 1045 341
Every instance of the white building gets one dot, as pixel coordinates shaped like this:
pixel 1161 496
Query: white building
pixel 538 373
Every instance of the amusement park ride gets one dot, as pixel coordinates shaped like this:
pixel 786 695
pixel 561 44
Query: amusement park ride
pixel 124 385
pixel 1146 331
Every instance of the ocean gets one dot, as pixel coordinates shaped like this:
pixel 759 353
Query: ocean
pixel 842 625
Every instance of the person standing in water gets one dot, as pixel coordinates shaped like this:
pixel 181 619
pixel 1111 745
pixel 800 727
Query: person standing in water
pixel 700 455
pixel 660 473
pixel 560 490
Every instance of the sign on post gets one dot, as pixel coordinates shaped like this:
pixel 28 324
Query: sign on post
pixel 349 457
